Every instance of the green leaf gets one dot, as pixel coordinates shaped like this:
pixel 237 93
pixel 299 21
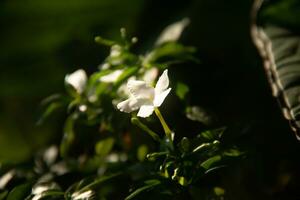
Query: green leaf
pixel 182 90
pixel 155 155
pixel 69 136
pixel 185 144
pixel 232 153
pixel 142 152
pixel 50 110
pixel 49 194
pixel 20 192
pixel 170 52
pixel 3 195
pixel 211 135
pixel 125 75
pixel 275 32
pixel 94 78
pixel 211 162
pixel 219 191
pixel 98 182
pixel 206 147
pixel 151 184
pixel 283 12
pixel 104 146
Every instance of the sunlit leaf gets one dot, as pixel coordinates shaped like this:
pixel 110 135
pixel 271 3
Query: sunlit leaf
pixel 211 162
pixel 142 152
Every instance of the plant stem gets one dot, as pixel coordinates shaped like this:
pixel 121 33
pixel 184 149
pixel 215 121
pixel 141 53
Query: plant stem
pixel 167 130
pixel 145 128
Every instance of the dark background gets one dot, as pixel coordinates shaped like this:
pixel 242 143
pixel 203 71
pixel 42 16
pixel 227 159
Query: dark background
pixel 41 41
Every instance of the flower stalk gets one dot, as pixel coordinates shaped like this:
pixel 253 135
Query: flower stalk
pixel 137 122
pixel 165 126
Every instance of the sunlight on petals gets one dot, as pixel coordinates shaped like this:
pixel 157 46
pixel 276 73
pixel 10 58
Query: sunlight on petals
pixel 144 97
pixel 77 80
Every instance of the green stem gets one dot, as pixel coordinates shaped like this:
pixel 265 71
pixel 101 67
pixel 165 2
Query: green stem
pixel 167 130
pixel 145 128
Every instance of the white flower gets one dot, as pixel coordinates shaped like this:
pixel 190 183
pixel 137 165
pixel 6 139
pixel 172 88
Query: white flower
pixel 112 77
pixel 77 80
pixel 144 97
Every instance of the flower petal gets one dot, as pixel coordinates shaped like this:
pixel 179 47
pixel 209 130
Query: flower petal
pixel 173 31
pixel 150 75
pixel 112 77
pixel 128 105
pixel 145 111
pixel 77 80
pixel 160 97
pixel 162 83
pixel 140 90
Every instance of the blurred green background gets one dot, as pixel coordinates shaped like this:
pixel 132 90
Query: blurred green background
pixel 41 41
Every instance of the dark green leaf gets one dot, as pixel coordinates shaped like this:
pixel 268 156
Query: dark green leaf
pixel 182 90
pixel 54 106
pixel 3 195
pixel 149 186
pixel 211 135
pixel 278 44
pixel 211 162
pixel 170 51
pixel 185 144
pixel 69 136
pixel 232 153
pixel 20 192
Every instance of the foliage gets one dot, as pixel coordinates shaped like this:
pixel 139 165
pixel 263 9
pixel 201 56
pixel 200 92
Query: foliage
pixel 110 162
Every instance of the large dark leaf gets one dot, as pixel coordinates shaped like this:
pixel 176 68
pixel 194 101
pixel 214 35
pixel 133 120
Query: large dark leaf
pixel 279 46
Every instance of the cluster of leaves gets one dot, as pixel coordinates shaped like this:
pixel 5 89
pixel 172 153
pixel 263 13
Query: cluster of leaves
pixel 99 156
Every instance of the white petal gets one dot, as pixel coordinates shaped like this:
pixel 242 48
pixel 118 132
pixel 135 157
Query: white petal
pixel 150 75
pixel 77 80
pixel 162 83
pixel 160 97
pixel 112 77
pixel 173 31
pixel 140 90
pixel 145 111
pixel 128 105
pixel 123 90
